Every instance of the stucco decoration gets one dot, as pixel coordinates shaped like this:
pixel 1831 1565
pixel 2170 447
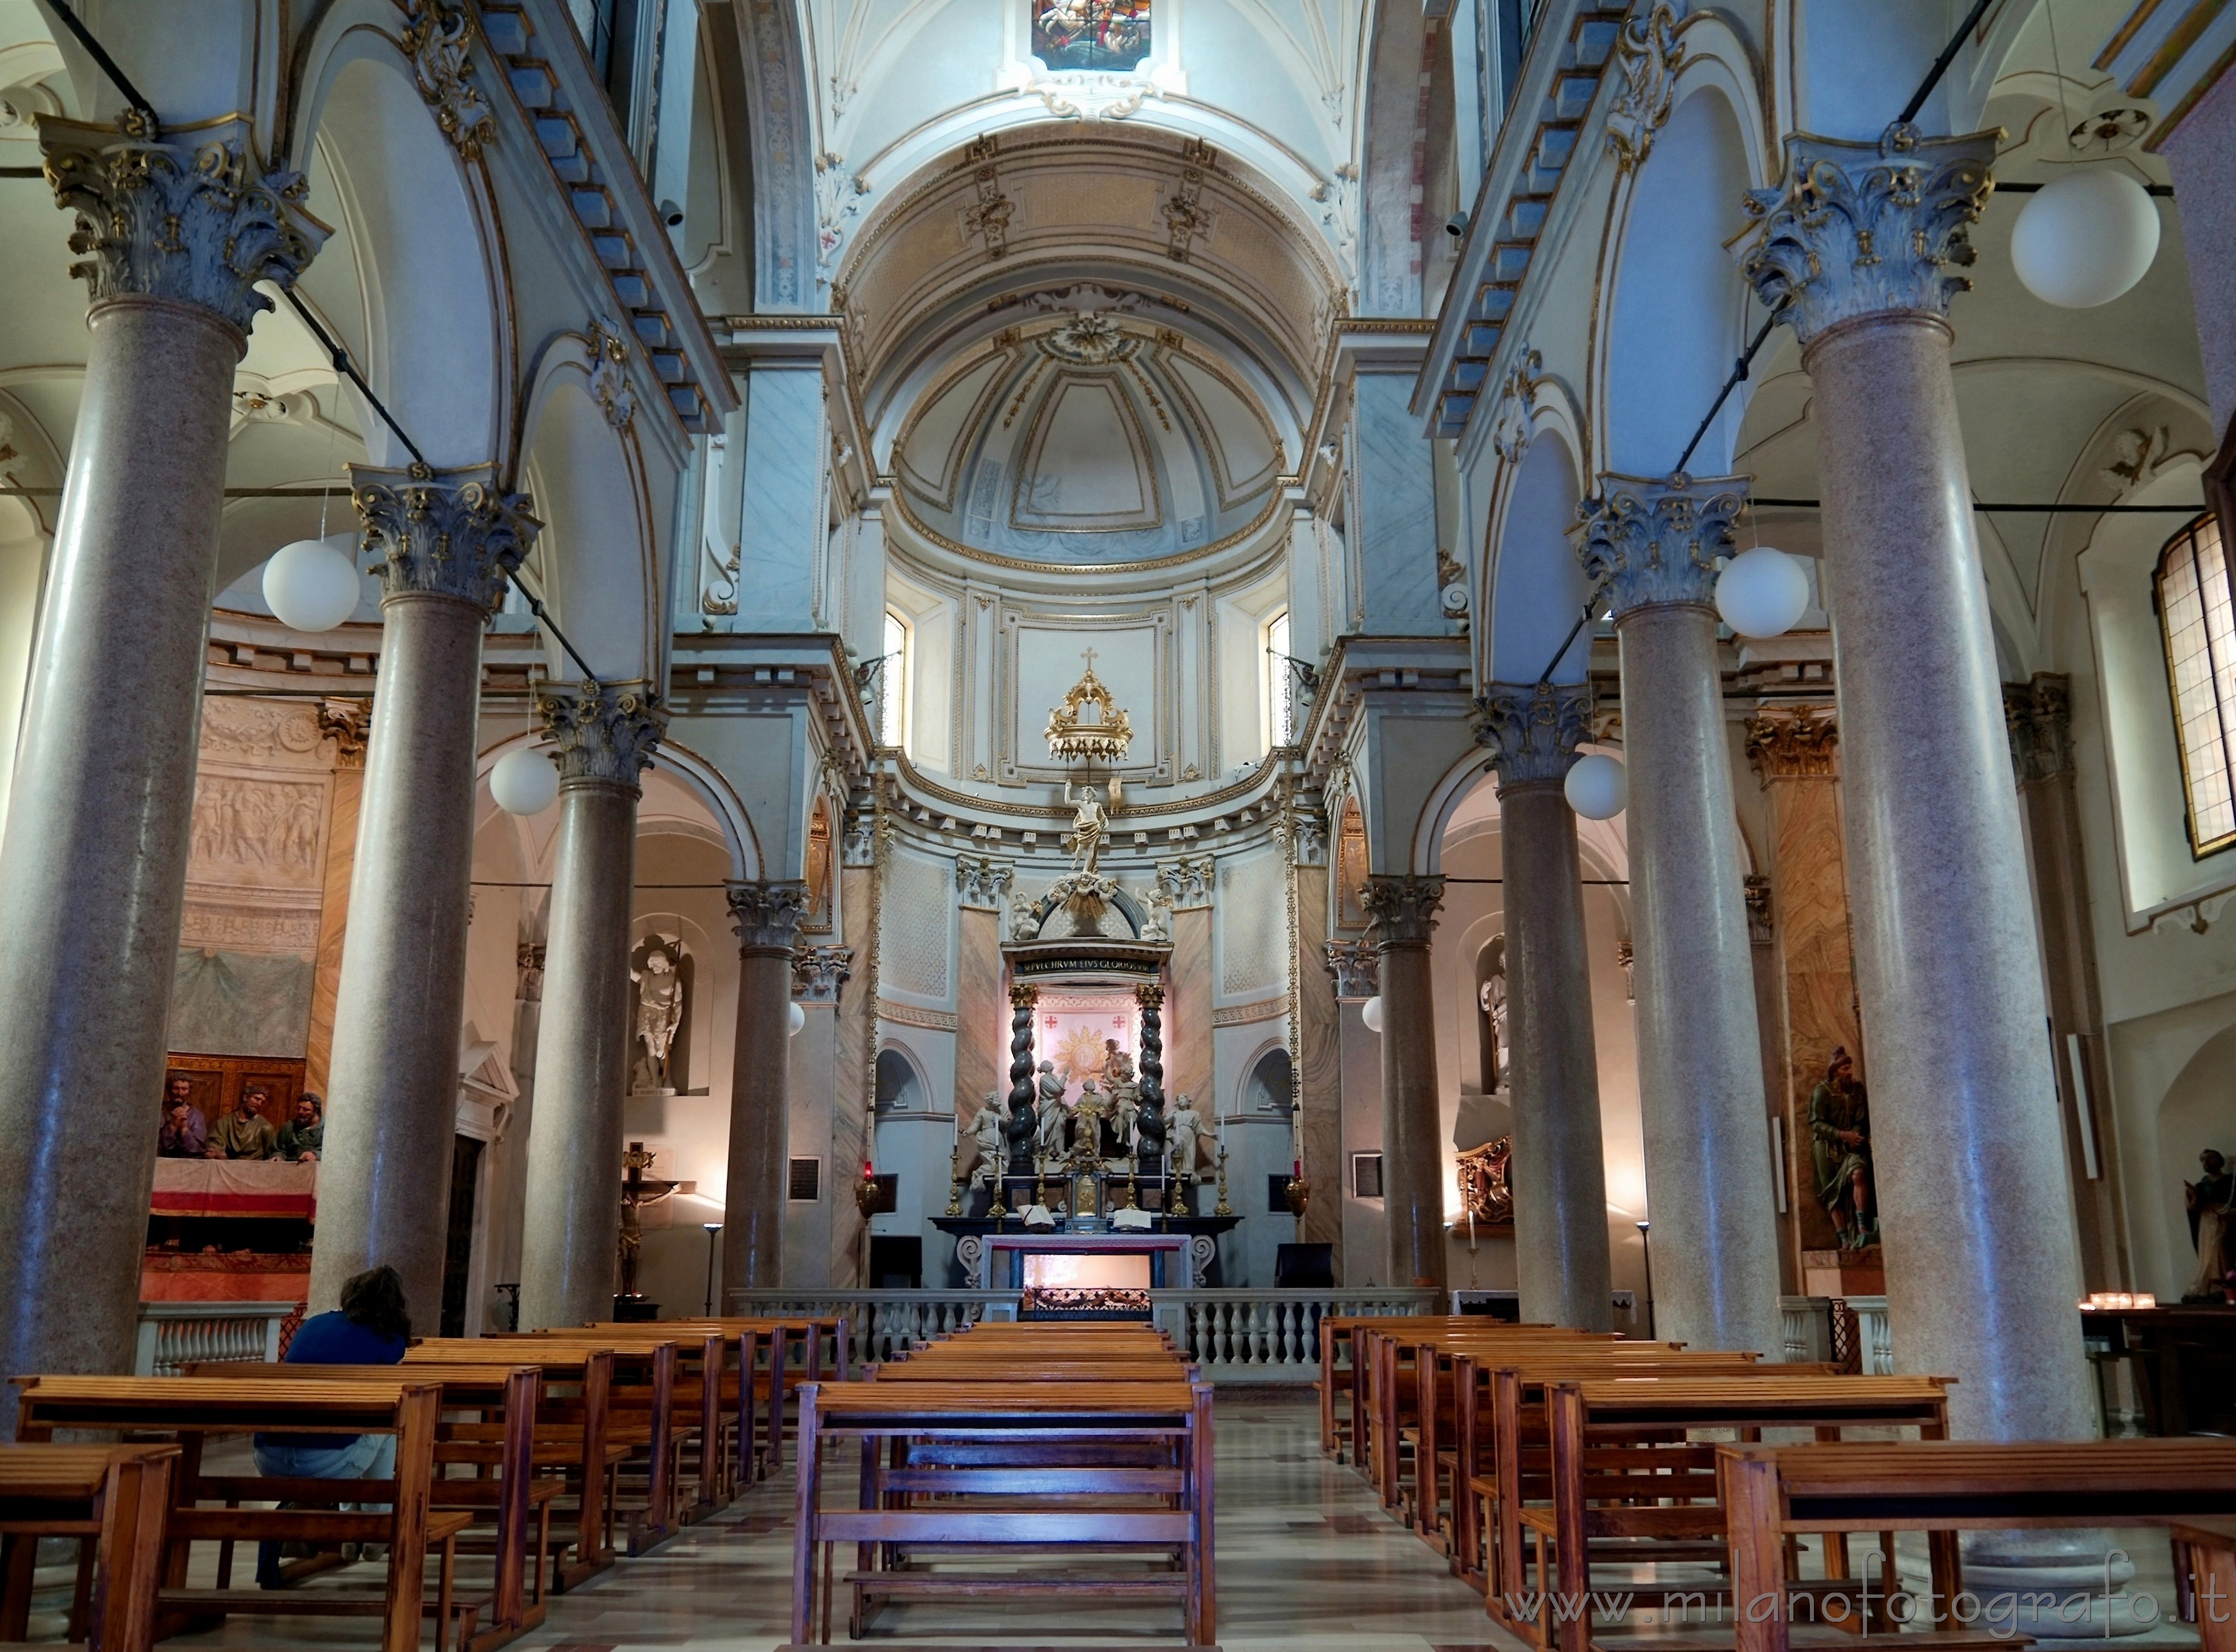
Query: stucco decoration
pixel 436 38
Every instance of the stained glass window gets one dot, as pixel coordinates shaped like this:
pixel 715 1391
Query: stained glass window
pixel 2198 621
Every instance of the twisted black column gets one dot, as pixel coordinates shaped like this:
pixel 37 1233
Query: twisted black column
pixel 1151 1119
pixel 1022 1115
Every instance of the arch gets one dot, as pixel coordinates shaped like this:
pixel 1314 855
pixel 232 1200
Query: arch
pixel 1389 278
pixel 902 1085
pixel 696 775
pixel 598 552
pixel 783 147
pixel 422 230
pixel 1536 586
pixel 1676 314
pixel 2191 1116
pixel 1268 1082
pixel 1460 782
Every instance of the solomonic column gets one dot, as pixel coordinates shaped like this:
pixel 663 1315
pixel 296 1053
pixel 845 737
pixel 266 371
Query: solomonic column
pixel 1404 913
pixel 1652 545
pixel 1856 251
pixel 604 738
pixel 1560 1168
pixel 174 237
pixel 765 916
pixel 451 539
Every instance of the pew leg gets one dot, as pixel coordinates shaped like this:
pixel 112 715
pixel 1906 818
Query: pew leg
pixel 1948 1570
pixel 18 1558
pixel 443 1580
pixel 81 1611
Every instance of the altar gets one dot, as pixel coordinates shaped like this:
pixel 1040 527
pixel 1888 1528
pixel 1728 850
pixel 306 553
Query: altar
pixel 995 1255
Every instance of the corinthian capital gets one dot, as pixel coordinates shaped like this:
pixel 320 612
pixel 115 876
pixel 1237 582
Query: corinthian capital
pixel 1533 732
pixel 451 534
pixel 1860 228
pixel 603 733
pixel 2039 716
pixel 1653 541
pixel 193 221
pixel 766 915
pixel 1403 908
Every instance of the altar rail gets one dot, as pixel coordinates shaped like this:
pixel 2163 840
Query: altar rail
pixel 174 1334
pixel 1237 1336
pixel 1811 1331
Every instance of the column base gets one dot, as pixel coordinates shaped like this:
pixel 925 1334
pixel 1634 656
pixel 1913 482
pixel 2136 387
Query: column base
pixel 2079 1580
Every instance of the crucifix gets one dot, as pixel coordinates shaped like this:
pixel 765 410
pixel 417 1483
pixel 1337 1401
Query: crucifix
pixel 637 1191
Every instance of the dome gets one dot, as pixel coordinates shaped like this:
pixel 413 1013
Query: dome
pixel 1090 440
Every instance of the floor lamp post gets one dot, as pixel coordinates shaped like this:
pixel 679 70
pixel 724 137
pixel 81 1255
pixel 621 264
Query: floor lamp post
pixel 713 1228
pixel 1646 1247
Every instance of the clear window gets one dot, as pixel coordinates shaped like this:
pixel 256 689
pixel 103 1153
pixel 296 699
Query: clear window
pixel 893 680
pixel 1280 681
pixel 2198 621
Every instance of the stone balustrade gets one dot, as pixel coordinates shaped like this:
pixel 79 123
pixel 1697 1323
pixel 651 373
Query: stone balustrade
pixel 175 1334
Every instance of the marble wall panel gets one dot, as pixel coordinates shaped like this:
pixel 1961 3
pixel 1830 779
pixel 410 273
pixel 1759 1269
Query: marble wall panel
pixel 850 1104
pixel 1318 1049
pixel 981 1037
pixel 1187 1024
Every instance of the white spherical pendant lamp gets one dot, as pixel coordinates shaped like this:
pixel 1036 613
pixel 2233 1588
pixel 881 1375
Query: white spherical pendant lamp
pixel 524 781
pixel 1371 1013
pixel 2085 240
pixel 1596 787
pixel 311 585
pixel 1762 591
pixel 794 1019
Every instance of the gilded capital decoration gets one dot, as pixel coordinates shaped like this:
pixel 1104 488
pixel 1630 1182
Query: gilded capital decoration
pixel 1862 228
pixel 1023 996
pixel 1355 968
pixel 820 973
pixel 1653 541
pixel 1648 56
pixel 1150 995
pixel 2039 715
pixel 1402 910
pixel 195 221
pixel 603 732
pixel 766 915
pixel 452 533
pixel 347 721
pixel 1533 731
pixel 1802 745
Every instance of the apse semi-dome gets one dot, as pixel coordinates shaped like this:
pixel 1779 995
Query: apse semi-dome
pixel 1089 439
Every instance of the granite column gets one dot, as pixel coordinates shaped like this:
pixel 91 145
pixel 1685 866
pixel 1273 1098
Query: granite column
pixel 1559 1166
pixel 1653 546
pixel 93 882
pixel 1856 253
pixel 604 736
pixel 765 916
pixel 1404 913
pixel 451 539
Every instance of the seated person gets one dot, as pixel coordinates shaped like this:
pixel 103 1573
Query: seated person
pixel 244 1132
pixel 303 1137
pixel 372 1326
pixel 184 1132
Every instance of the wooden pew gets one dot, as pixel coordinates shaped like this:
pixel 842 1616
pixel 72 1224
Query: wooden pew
pixel 675 1410
pixel 571 1431
pixel 117 1496
pixel 1629 1485
pixel 517 1498
pixel 1074 1438
pixel 2207 1553
pixel 193 1409
pixel 1941 1487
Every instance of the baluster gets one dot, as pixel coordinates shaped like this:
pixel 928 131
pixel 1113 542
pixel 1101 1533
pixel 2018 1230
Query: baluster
pixel 1261 1333
pixel 1224 1340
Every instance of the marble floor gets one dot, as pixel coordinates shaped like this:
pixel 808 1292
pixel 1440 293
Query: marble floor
pixel 1308 1563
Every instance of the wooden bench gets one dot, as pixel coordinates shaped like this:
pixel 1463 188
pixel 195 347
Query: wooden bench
pixel 571 1435
pixel 514 1498
pixel 1041 1448
pixel 114 1498
pixel 1630 1486
pixel 1772 1492
pixel 193 1409
pixel 2207 1553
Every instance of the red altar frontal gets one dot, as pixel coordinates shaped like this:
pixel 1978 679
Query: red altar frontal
pixel 1085 1261
pixel 229 1231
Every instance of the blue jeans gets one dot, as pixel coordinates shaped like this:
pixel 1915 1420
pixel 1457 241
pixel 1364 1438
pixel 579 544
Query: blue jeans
pixel 368 1457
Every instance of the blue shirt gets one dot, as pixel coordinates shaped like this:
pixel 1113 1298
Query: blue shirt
pixel 334 1339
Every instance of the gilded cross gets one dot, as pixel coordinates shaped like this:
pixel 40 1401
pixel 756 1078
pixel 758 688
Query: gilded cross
pixel 1090 655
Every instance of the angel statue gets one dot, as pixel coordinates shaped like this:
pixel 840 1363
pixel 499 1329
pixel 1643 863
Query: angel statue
pixel 659 1012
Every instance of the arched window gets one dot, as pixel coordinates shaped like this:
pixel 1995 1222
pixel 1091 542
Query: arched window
pixel 892 681
pixel 1281 682
pixel 2198 620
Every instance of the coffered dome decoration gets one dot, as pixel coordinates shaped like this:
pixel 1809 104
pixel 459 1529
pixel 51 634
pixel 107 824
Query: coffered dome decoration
pixel 1089 439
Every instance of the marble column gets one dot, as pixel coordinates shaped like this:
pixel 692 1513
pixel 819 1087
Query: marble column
pixel 451 541
pixel 1560 1165
pixel 1404 913
pixel 1653 546
pixel 174 238
pixel 604 736
pixel 766 915
pixel 1856 251
pixel 2039 716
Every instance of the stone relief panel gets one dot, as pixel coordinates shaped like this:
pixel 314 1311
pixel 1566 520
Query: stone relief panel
pixel 1252 925
pixel 917 915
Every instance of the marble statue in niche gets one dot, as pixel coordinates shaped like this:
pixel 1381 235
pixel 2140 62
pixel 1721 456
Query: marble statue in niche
pixel 2210 1199
pixel 986 1130
pixel 659 1012
pixel 1840 1151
